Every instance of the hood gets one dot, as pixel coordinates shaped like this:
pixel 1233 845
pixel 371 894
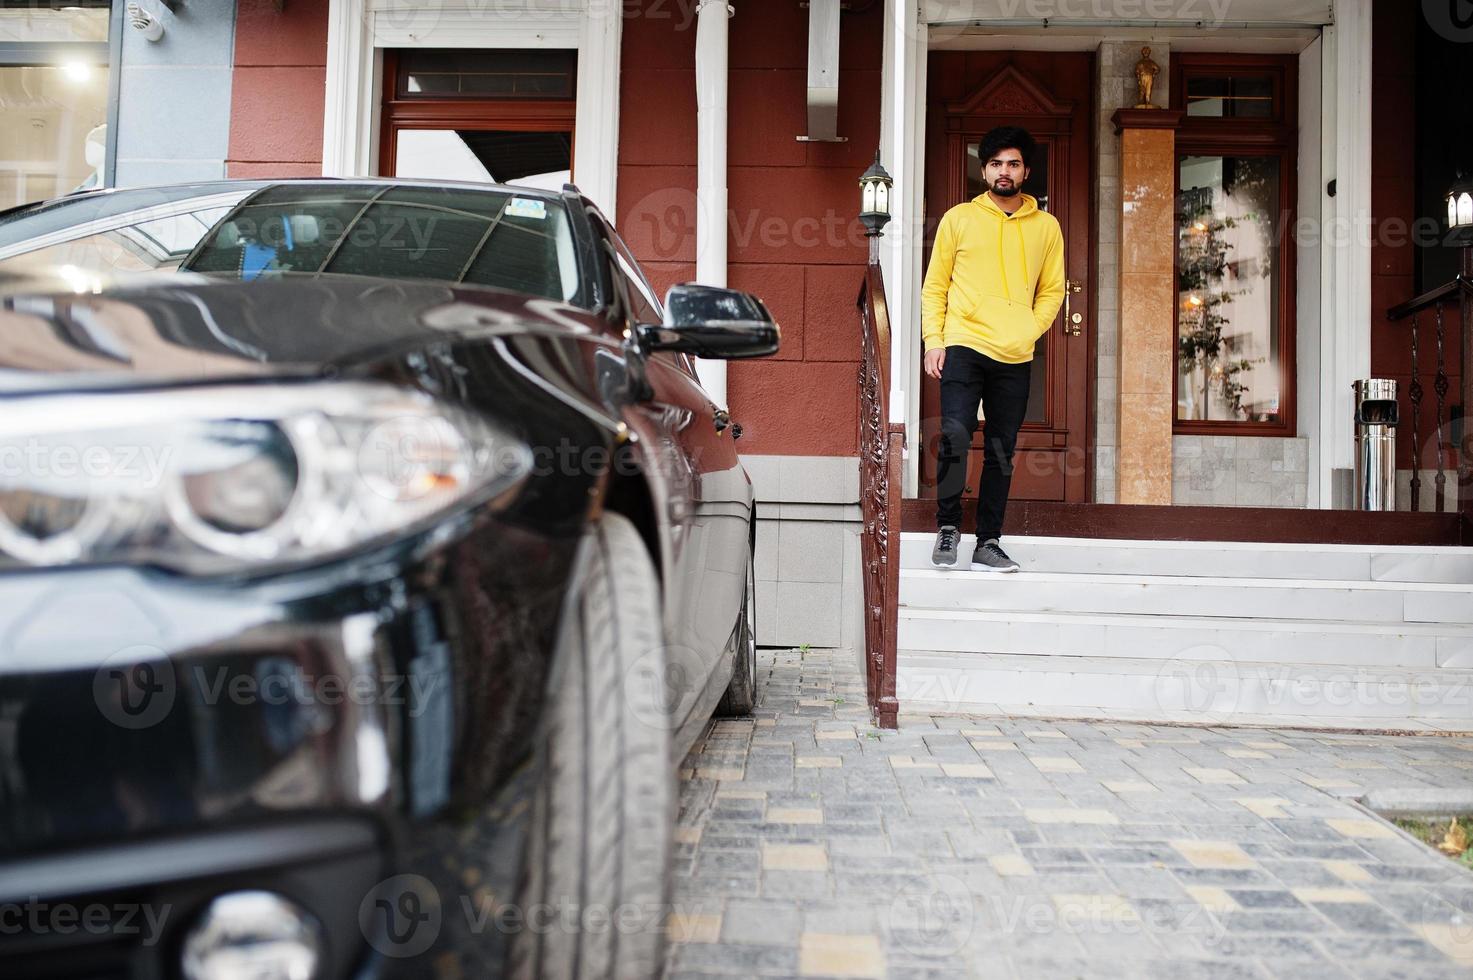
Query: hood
pixel 1029 205
pixel 191 329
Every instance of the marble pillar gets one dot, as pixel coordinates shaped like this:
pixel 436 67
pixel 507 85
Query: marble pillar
pixel 1147 342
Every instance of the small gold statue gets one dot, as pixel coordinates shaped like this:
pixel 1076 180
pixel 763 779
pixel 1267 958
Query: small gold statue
pixel 1146 71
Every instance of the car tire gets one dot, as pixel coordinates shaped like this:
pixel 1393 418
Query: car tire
pixel 604 810
pixel 741 693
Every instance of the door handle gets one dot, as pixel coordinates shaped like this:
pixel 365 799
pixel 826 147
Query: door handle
pixel 722 419
pixel 1073 322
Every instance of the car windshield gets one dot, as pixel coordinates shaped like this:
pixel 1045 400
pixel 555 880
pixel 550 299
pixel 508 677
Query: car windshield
pixel 491 237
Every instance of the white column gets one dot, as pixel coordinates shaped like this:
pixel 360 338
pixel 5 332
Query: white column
pixel 596 139
pixel 711 79
pixel 902 121
pixel 1346 337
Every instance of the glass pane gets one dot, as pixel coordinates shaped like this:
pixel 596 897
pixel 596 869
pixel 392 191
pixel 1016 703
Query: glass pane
pixel 492 156
pixel 1231 96
pixel 486 74
pixel 1037 184
pixel 1228 357
pixel 53 132
pixel 157 243
pixel 443 234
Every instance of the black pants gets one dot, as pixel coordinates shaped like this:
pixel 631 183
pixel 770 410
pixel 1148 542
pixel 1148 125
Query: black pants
pixel 969 377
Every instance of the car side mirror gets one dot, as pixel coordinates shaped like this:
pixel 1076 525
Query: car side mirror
pixel 712 322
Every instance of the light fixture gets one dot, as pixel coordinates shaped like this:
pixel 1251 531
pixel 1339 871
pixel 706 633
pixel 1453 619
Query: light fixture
pixel 77 71
pixel 874 211
pixel 1460 209
pixel 144 22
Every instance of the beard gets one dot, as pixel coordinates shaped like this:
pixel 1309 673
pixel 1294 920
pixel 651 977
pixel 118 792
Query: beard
pixel 1008 190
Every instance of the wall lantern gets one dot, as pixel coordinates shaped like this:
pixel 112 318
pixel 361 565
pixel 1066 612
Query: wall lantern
pixel 874 186
pixel 1460 209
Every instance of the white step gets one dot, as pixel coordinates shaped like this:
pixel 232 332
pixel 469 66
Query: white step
pixel 1202 692
pixel 1148 595
pixel 1220 559
pixel 966 631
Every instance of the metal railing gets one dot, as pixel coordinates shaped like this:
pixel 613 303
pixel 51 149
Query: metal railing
pixel 1460 289
pixel 881 445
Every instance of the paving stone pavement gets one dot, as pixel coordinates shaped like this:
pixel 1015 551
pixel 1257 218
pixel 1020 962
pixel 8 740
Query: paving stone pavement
pixel 810 844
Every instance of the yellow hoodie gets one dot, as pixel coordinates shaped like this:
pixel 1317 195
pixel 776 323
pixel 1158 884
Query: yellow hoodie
pixel 995 281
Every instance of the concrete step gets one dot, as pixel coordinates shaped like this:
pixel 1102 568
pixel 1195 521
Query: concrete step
pixel 1220 559
pixel 1151 595
pixel 1161 638
pixel 1212 692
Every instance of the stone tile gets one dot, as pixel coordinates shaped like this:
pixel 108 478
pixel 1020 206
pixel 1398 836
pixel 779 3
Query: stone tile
pixel 1067 815
pixel 1348 871
pixel 1312 895
pixel 810 551
pixel 837 955
pixel 689 928
pixel 1363 829
pixel 1055 764
pixel 1011 865
pixel 794 857
pixel 1214 854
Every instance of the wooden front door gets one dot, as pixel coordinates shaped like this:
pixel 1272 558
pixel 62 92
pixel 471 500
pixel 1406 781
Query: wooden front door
pixel 1050 95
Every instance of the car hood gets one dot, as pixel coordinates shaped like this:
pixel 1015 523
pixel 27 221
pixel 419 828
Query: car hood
pixel 186 329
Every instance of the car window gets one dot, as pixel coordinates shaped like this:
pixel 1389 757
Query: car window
pixel 490 238
pixel 647 309
pixel 146 240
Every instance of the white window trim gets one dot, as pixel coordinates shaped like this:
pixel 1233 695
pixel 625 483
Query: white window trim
pixel 358 30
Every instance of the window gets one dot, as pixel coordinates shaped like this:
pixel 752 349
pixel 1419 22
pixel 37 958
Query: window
pixel 483 115
pixel 53 98
pixel 1234 260
pixel 149 238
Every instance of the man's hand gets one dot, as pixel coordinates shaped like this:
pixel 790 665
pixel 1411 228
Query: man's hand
pixel 935 360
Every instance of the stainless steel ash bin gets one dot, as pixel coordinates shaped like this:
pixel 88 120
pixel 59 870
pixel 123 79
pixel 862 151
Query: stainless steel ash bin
pixel 1376 418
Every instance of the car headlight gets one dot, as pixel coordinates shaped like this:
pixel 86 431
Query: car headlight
pixel 214 479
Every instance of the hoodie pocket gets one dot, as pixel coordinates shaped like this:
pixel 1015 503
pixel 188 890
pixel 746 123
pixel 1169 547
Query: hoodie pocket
pixel 1008 325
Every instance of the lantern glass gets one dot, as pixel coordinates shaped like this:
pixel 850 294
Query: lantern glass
pixel 1465 208
pixel 1452 210
pixel 882 197
pixel 868 206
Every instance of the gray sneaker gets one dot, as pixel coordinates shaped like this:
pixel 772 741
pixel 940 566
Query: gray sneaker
pixel 944 554
pixel 989 557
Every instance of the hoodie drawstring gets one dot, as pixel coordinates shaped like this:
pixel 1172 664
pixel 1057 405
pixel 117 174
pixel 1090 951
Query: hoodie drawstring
pixel 1002 266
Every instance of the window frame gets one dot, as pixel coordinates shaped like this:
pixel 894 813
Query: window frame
pixel 1278 137
pixel 488 112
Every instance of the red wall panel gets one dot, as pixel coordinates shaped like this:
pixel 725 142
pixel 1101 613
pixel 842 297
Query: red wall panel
pixel 278 88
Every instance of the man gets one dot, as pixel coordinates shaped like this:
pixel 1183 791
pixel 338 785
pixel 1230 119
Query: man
pixel 994 285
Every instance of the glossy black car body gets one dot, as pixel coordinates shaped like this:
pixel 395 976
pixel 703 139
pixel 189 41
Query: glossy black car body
pixel 135 795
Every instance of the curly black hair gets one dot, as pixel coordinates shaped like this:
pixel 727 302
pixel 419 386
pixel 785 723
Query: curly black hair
pixel 1006 138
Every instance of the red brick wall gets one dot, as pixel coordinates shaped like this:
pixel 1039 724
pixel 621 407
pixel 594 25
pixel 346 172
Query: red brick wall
pixel 276 98
pixel 1393 253
pixel 792 237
